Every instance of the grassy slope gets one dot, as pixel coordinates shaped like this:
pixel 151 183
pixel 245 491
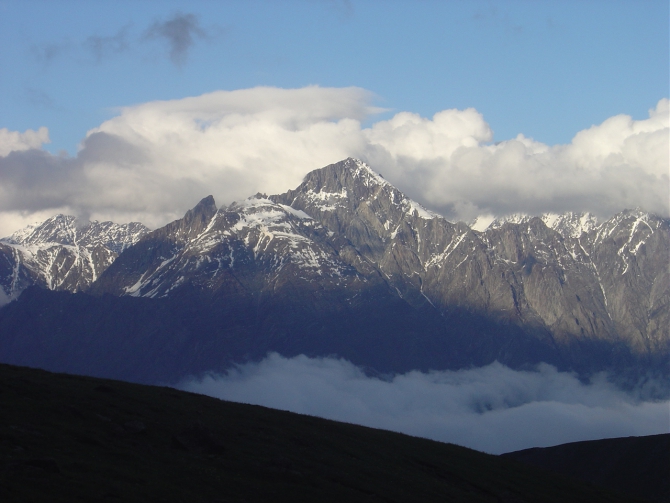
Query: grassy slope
pixel 72 438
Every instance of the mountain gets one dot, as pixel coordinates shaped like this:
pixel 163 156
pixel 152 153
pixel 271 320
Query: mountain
pixel 62 253
pixel 68 438
pixel 346 264
pixel 577 281
pixel 568 225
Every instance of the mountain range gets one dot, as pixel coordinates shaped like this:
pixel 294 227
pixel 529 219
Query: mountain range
pixel 345 264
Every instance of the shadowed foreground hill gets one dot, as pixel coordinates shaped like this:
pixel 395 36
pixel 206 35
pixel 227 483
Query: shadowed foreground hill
pixel 72 438
pixel 636 465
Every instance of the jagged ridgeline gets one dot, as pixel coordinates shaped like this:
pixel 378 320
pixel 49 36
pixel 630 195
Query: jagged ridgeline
pixel 343 265
pixel 62 253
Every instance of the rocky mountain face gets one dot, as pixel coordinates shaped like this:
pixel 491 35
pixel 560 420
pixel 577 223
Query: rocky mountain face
pixel 62 254
pixel 346 264
pixel 258 244
pixel 565 277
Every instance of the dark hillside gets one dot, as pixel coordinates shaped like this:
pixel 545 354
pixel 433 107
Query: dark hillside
pixel 71 438
pixel 635 465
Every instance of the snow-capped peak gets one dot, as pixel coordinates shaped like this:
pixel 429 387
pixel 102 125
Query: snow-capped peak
pixel 57 229
pixel 568 224
pixel 362 171
pixel 68 230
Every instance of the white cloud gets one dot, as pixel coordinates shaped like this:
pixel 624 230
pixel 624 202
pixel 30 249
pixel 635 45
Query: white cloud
pixel 156 160
pixel 14 141
pixel 621 163
pixel 411 136
pixel 493 408
pixel 230 144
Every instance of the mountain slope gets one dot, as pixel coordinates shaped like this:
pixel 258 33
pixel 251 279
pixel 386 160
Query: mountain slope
pixel 261 244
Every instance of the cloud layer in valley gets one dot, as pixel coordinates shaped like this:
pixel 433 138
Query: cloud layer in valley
pixel 493 408
pixel 155 160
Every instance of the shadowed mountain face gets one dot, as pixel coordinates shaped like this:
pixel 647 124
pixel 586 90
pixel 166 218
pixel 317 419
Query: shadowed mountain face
pixel 346 264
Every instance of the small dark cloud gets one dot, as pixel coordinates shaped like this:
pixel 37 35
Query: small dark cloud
pixel 343 8
pixel 500 20
pixel 482 16
pixel 180 33
pixel 46 52
pixel 38 97
pixel 102 47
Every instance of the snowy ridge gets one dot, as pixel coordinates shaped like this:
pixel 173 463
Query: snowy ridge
pixel 569 224
pixel 21 235
pixel 370 179
pixel 328 201
pixel 630 230
pixel 355 183
pixel 251 234
pixel 62 253
pixel 365 173
pixel 67 230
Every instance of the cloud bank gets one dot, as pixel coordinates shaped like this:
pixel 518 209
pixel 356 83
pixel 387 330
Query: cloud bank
pixel 492 409
pixel 156 160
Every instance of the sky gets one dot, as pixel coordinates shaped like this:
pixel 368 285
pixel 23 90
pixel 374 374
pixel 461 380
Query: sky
pixel 136 110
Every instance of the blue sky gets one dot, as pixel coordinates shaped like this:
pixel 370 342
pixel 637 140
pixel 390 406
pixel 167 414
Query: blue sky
pixel 543 68
pixel 136 110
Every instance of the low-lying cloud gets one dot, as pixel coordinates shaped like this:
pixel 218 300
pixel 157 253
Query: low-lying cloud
pixel 155 160
pixel 493 409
